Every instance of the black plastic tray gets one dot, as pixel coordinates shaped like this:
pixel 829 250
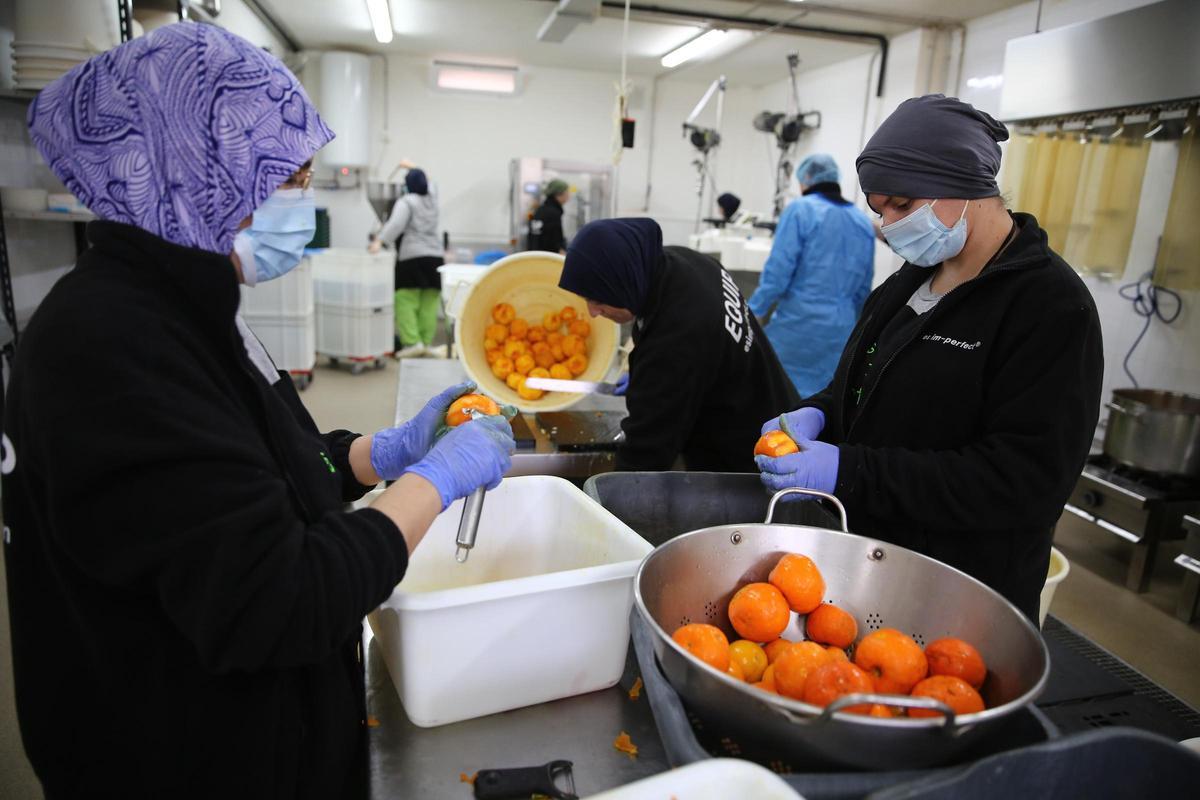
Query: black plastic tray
pixel 1116 763
pixel 1141 704
pixel 661 505
pixel 683 745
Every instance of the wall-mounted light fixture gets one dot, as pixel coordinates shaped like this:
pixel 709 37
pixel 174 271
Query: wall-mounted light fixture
pixel 453 76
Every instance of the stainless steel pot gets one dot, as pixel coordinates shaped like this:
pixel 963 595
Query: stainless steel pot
pixel 1154 430
pixel 692 577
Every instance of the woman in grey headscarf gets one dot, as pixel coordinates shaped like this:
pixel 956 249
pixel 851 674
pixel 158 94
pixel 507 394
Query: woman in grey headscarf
pixel 964 404
pixel 186 590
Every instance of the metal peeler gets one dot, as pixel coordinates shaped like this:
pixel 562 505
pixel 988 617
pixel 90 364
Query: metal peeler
pixel 523 782
pixel 468 524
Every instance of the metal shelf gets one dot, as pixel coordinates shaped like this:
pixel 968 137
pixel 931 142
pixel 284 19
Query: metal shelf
pixel 20 95
pixel 52 216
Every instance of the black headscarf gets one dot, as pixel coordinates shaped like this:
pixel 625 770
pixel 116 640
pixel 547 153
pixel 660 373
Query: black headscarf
pixel 933 146
pixel 612 261
pixel 416 182
pixel 729 204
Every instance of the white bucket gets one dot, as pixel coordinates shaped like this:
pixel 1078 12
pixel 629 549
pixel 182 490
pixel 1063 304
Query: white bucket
pixel 1059 569
pixel 711 778
pixel 529 281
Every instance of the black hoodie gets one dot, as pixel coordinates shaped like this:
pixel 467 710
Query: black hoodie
pixel 546 228
pixel 967 442
pixel 186 592
pixel 702 377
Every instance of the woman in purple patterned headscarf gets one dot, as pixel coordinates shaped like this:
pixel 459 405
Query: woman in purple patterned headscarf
pixel 184 583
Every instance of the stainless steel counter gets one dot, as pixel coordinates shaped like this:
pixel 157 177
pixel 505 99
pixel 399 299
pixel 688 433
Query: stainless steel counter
pixel 412 762
pixel 422 378
pixel 408 761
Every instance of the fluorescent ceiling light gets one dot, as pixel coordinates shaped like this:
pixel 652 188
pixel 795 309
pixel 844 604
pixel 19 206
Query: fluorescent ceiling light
pixel 475 78
pixel 381 20
pixel 701 45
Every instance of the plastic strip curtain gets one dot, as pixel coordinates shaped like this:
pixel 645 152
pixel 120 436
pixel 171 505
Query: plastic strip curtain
pixel 1041 172
pixel 1107 196
pixel 1178 264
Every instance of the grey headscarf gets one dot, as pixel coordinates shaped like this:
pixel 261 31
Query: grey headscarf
pixel 933 146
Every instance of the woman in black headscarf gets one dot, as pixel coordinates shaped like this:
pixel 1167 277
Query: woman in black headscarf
pixel 702 375
pixel 413 226
pixel 965 402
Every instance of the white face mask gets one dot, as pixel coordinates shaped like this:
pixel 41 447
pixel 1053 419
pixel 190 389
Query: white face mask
pixel 922 239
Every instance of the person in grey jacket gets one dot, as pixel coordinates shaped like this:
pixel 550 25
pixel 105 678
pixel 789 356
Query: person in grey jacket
pixel 413 226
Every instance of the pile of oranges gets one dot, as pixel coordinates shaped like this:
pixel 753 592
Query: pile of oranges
pixel 819 670
pixel 516 349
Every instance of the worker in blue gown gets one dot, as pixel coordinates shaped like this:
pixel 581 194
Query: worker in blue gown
pixel 817 277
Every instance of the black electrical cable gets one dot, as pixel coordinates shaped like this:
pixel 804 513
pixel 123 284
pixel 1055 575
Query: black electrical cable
pixel 1144 296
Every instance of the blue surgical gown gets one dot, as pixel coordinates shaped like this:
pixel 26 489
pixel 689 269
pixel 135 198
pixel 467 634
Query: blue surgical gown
pixel 818 276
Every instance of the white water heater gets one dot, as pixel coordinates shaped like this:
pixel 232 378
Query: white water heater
pixel 345 107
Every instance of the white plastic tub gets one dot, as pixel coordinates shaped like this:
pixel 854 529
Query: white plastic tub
pixel 712 779
pixel 350 278
pixel 540 611
pixel 1060 568
pixel 456 280
pixel 354 333
pixel 287 296
pixel 290 341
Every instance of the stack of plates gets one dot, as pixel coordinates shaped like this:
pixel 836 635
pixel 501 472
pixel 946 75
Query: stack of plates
pixel 52 36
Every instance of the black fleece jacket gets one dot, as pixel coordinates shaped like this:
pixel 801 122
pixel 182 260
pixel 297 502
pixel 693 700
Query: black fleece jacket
pixel 186 592
pixel 968 441
pixel 702 376
pixel 546 228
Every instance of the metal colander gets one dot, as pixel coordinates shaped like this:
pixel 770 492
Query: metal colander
pixel 692 577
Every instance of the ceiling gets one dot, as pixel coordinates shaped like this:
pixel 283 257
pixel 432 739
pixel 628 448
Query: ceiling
pixel 505 31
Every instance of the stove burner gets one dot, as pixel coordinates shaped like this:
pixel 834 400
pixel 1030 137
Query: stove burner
pixel 1174 487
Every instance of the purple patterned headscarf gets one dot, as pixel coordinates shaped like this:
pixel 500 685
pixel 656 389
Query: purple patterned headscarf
pixel 183 132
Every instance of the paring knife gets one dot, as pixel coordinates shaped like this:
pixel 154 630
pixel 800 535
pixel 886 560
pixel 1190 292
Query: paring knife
pixel 557 385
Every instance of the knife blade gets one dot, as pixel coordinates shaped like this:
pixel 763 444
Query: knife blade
pixel 558 385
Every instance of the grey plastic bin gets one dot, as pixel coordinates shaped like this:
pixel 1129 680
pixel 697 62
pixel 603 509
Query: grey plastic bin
pixel 1113 763
pixel 662 505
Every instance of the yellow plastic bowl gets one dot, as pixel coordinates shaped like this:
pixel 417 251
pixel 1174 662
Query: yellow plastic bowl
pixel 528 281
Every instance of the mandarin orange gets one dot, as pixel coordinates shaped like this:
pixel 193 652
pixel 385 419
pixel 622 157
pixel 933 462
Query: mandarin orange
pixel 759 612
pixel 706 642
pixel 800 581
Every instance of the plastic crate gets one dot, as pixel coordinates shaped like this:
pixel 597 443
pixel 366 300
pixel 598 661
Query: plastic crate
pixel 350 278
pixel 288 296
pixel 662 505
pixel 354 333
pixel 290 341
pixel 539 612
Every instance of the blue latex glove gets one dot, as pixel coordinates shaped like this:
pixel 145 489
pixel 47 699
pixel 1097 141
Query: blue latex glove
pixel 395 449
pixel 801 424
pixel 622 385
pixel 476 453
pixel 814 467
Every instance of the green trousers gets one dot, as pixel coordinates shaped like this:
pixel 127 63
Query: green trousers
pixel 416 315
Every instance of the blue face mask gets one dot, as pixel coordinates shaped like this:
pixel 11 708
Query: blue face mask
pixel 274 243
pixel 922 239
